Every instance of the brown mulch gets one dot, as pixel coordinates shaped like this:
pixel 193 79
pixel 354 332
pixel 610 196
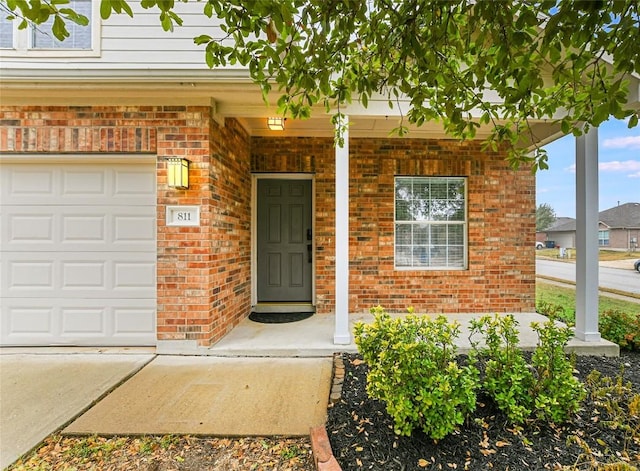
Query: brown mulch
pixel 169 453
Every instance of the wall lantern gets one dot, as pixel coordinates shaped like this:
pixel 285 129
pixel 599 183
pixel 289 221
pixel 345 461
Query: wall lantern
pixel 275 124
pixel 178 173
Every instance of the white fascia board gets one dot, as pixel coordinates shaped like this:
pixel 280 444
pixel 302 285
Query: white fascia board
pixel 31 74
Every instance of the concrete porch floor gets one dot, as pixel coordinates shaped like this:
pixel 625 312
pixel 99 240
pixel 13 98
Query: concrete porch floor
pixel 313 337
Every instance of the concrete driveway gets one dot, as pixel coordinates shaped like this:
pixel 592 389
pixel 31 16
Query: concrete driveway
pixel 42 392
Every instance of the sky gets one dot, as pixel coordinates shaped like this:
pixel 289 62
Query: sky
pixel 619 170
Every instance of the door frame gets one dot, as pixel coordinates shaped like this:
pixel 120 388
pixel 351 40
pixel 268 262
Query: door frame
pixel 254 226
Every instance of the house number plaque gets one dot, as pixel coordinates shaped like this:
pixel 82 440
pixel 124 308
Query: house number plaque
pixel 183 215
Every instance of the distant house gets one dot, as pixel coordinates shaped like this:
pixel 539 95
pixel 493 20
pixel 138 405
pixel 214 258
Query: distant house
pixel 619 228
pixel 562 233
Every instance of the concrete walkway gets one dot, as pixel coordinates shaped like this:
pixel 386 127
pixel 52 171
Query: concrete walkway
pixel 39 393
pixel 217 397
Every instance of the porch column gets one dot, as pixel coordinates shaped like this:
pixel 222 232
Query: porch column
pixel 342 333
pixel 587 236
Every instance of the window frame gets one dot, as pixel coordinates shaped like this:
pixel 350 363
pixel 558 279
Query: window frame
pixel 604 237
pixel 23 47
pixel 464 223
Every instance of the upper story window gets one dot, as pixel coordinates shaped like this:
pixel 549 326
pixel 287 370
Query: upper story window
pixel 430 223
pixel 38 40
pixel 6 34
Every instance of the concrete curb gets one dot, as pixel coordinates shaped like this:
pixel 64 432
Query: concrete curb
pixel 601 289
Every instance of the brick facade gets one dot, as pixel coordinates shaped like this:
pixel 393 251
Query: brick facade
pixel 204 273
pixel 501 223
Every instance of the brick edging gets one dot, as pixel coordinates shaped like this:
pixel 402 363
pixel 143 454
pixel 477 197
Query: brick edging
pixel 322 455
pixel 320 445
pixel 338 379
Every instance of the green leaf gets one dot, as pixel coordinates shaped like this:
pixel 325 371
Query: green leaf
pixel 59 29
pixel 105 9
pixel 202 39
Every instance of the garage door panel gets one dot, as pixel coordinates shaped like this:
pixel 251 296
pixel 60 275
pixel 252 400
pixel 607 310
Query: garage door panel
pixel 133 230
pixel 29 319
pixel 27 182
pixel 83 321
pixel 78 322
pixel 87 181
pixel 131 321
pixel 134 275
pixel 137 184
pixel 31 229
pixel 77 274
pixel 78 228
pixel 31 274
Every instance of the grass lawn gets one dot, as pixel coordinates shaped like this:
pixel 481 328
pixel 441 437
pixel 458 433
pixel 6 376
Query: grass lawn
pixel 605 255
pixel 566 297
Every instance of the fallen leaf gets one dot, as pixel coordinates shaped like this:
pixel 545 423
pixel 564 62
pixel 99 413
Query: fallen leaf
pixel 357 362
pixel 501 444
pixel 423 463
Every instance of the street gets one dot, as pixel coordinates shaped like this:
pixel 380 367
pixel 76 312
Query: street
pixel 613 278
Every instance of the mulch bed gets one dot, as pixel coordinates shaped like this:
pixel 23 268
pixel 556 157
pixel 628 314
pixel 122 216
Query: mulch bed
pixel 362 437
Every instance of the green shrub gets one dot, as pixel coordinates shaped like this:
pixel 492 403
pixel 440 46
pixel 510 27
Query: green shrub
pixel 621 328
pixel 546 388
pixel 413 369
pixel 507 379
pixel 557 392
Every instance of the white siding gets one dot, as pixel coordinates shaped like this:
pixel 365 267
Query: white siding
pixel 137 43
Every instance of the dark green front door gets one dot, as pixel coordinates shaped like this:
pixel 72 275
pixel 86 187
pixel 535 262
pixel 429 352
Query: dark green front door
pixel 284 241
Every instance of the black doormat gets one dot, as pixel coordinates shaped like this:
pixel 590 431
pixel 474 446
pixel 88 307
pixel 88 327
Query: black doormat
pixel 278 317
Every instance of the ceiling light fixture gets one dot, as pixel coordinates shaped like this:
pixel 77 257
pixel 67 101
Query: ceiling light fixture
pixel 275 124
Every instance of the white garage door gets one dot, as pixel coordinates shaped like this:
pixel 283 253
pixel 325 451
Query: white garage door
pixel 77 254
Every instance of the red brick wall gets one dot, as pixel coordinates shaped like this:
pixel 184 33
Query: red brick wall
pixel 501 224
pixel 203 273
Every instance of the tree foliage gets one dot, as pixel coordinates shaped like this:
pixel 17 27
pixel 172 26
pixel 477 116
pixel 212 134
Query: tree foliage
pixel 464 63
pixel 545 216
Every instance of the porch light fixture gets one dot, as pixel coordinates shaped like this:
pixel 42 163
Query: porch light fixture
pixel 275 124
pixel 178 173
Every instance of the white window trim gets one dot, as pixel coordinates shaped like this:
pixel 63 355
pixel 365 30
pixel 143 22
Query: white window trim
pixel 465 232
pixel 22 42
